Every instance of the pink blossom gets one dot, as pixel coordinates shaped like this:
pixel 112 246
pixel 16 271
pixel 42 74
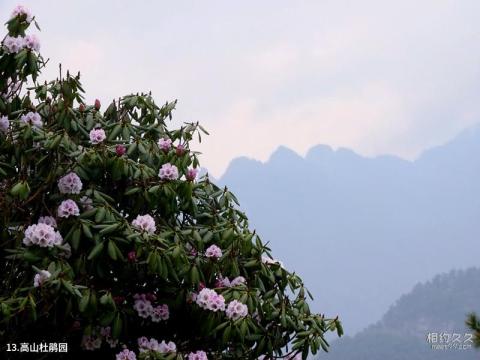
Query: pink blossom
pixel 213 251
pixel 222 282
pixel 32 118
pixel 143 342
pixel 239 280
pixel 236 310
pixel 126 355
pixel 144 223
pixel 208 299
pixel 97 136
pixel 21 10
pixel 198 355
pixel 191 174
pixel 4 124
pixel 41 277
pixel 49 220
pixel 165 144
pixel 42 235
pixel 143 308
pixel 68 208
pixel 168 172
pixel 12 44
pixel 70 184
pixel 160 312
pixel 169 347
pixel 31 42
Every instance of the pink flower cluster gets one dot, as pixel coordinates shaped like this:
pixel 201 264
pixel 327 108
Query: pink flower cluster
pixel 70 184
pixel 226 282
pixel 208 299
pixel 42 235
pixel 21 10
pixel 41 277
pixel 198 355
pixel 159 313
pixel 168 172
pixel 49 220
pixel 32 118
pixel 4 124
pixel 236 310
pixel 145 309
pixel 14 44
pixel 94 341
pixel 213 251
pixel 68 208
pixel 165 144
pixel 144 223
pixel 97 136
pixel 153 345
pixel 126 354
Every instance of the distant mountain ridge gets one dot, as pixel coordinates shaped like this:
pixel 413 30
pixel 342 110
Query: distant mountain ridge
pixel 362 231
pixel 436 307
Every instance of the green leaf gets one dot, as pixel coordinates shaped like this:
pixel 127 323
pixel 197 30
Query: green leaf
pixel 117 326
pixel 109 229
pixel 75 241
pixel 96 251
pixel 112 251
pixel 84 301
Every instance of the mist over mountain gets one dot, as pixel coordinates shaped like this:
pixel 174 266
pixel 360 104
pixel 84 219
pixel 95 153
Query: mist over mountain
pixel 363 231
pixel 437 307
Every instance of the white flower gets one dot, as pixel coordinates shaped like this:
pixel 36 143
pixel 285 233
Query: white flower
pixel 168 172
pixel 49 220
pixel 239 280
pixel 236 310
pixel 13 44
pixel 31 42
pixel 144 223
pixel 21 10
pixel 42 235
pixel 32 118
pixel 4 124
pixel 213 251
pixel 97 136
pixel 70 184
pixel 165 144
pixel 68 208
pixel 41 277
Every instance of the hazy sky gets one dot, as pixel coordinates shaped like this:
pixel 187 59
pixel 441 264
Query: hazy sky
pixel 375 76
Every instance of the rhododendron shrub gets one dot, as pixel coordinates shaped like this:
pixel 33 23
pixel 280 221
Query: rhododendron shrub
pixel 111 243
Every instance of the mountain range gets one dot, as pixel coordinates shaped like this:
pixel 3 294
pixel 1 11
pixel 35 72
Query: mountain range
pixel 363 231
pixel 426 324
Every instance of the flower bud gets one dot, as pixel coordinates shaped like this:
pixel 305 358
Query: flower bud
pixel 132 256
pixel 81 108
pixel 180 150
pixel 97 104
pixel 120 149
